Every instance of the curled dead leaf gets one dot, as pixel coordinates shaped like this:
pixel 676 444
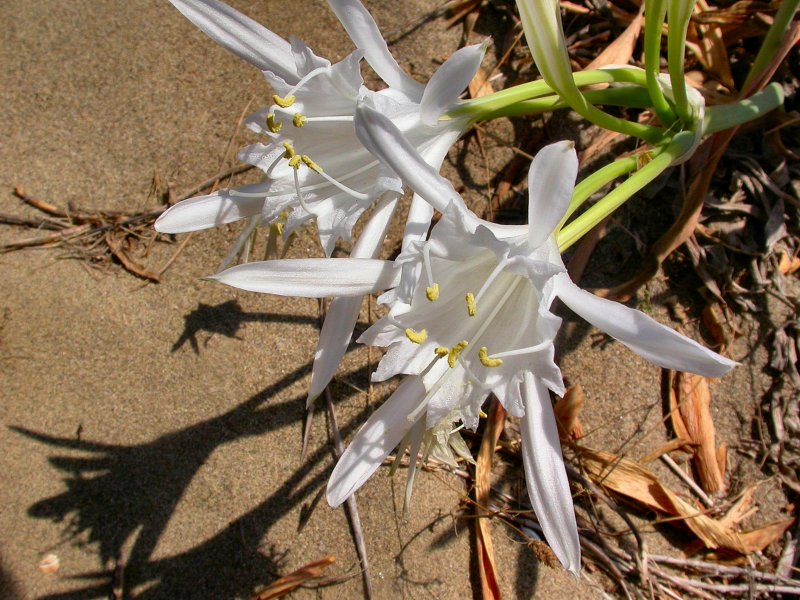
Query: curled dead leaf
pixel 567 410
pixel 294 580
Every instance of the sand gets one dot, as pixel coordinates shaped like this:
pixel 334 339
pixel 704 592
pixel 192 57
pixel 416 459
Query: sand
pixel 157 427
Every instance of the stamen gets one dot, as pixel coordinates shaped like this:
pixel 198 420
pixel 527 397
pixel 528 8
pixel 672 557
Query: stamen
pixel 529 350
pixel 452 357
pixel 426 260
pixel 441 351
pixel 302 202
pixel 294 162
pixel 289 150
pixel 417 337
pixel 472 309
pixel 311 164
pixel 492 276
pixel 283 102
pixel 482 414
pixel 299 120
pixel 338 184
pixel 432 292
pixel 486 361
pixel 272 124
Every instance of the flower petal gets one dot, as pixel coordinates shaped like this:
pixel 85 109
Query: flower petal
pixel 380 136
pixel 657 343
pixel 337 330
pixel 366 36
pixel 213 210
pixel 313 277
pixel 375 440
pixel 241 35
pixel 551 180
pixel 548 487
pixel 449 80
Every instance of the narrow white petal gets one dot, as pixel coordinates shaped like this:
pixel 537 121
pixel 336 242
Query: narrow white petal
pixel 551 180
pixel 337 330
pixel 366 36
pixel 313 277
pixel 213 210
pixel 380 136
pixel 241 35
pixel 657 343
pixel 449 80
pixel 375 440
pixel 548 486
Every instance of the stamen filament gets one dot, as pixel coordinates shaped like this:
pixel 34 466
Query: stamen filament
pixel 492 276
pixel 302 202
pixel 343 187
pixel 529 350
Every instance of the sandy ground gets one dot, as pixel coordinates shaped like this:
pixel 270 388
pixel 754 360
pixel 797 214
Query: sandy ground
pixel 159 426
pixel 121 441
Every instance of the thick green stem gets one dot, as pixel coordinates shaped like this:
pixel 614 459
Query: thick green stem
pixel 574 231
pixel 773 39
pixel 679 12
pixel 596 181
pixel 654 14
pixel 536 89
pixel 627 97
pixel 725 116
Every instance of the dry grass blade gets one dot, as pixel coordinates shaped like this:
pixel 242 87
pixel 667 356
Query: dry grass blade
pixel 620 51
pixel 708 44
pixel 634 481
pixel 690 409
pixel 483 486
pixel 294 580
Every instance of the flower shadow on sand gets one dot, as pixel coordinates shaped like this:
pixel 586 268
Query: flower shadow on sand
pixel 123 497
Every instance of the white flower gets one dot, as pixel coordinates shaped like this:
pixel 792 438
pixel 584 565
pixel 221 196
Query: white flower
pixel 477 320
pixel 314 164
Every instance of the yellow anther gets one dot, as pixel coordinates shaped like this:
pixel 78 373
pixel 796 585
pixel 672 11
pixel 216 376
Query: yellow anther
pixel 311 164
pixel 486 361
pixel 283 102
pixel 279 228
pixel 432 293
pixel 295 161
pixel 441 352
pixel 272 124
pixel 452 356
pixel 471 307
pixel 416 336
pixel 299 120
pixel 289 150
pixel 482 414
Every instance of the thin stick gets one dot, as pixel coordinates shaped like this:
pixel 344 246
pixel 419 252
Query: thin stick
pixel 350 503
pixel 687 480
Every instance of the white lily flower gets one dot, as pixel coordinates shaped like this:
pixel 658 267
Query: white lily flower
pixel 478 320
pixel 314 164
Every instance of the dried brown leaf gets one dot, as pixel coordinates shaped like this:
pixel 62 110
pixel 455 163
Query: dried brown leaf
pixel 487 567
pixel 788 265
pixel 294 580
pixel 634 481
pixel 670 446
pixel 620 51
pixel 567 410
pixel 480 85
pixel 693 400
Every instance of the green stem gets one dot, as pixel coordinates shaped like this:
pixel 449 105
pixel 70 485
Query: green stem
pixel 679 12
pixel 596 181
pixel 725 116
pixel 773 39
pixel 655 12
pixel 572 232
pixel 628 97
pixel 536 89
